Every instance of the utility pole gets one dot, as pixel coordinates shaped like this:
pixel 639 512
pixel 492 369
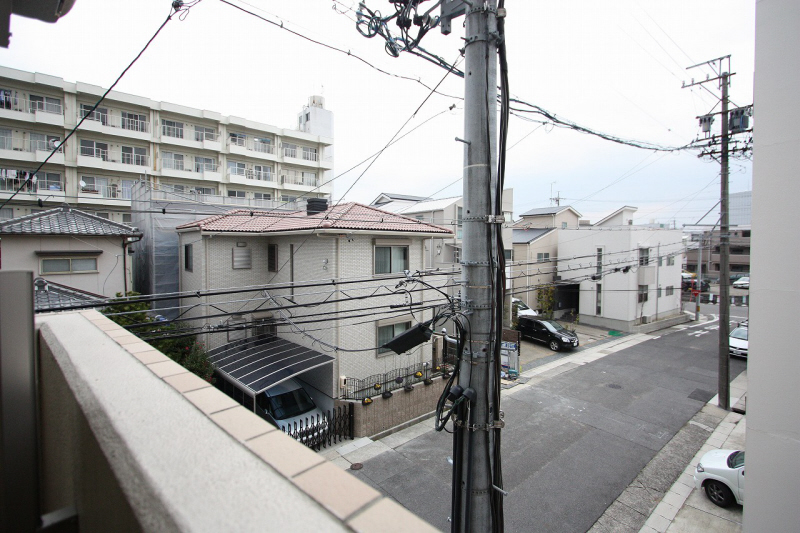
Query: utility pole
pixel 740 116
pixel 477 271
pixel 699 276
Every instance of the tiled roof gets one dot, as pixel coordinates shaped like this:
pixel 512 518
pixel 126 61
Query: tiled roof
pixel 64 221
pixel 349 216
pixel 426 206
pixel 524 236
pixel 48 295
pixel 553 210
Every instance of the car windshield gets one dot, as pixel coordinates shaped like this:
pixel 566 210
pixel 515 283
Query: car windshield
pixel 736 460
pixel 739 333
pixel 743 280
pixel 552 325
pixel 521 306
pixel 290 404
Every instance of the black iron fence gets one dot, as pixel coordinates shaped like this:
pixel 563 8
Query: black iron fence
pixel 399 378
pixel 323 430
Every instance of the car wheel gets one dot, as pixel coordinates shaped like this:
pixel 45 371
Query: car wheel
pixel 554 345
pixel 719 493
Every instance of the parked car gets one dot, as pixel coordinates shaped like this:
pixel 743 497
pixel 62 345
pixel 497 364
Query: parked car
pixel 687 275
pixel 737 342
pixel 522 309
pixel 692 284
pixel 288 403
pixel 721 474
pixel 549 332
pixel 742 283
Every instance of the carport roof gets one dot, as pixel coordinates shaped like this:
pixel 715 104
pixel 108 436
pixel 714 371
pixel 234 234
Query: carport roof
pixel 258 363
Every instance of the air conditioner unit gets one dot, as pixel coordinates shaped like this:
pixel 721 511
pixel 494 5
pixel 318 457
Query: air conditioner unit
pixel 647 319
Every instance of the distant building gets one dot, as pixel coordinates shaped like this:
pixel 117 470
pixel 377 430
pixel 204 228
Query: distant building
pixel 200 155
pixel 740 208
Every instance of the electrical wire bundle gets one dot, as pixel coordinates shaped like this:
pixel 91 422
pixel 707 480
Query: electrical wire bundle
pixel 370 23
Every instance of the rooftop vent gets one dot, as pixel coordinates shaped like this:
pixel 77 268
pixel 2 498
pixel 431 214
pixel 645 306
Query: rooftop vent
pixel 316 205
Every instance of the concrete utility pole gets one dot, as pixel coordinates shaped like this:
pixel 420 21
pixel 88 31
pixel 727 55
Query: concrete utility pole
pixel 724 259
pixel 699 276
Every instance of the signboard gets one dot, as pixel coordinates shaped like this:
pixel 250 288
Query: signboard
pixel 509 353
pixel 696 293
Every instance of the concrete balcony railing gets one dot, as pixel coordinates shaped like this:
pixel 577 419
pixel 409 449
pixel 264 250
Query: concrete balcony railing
pixel 114 121
pixel 135 442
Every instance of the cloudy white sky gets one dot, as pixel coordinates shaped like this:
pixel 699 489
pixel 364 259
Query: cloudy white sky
pixel 611 65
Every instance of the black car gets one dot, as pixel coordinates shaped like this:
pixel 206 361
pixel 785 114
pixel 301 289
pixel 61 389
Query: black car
pixel 549 332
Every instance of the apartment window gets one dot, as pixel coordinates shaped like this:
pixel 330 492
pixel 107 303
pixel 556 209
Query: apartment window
pixel 92 184
pixel 390 259
pixel 98 115
pixel 134 121
pixel 236 168
pixel 309 154
pixel 103 214
pixel 134 156
pixel 288 199
pixel 6 138
pixel 6 213
pixel 308 117
pixel 387 333
pixel 238 139
pixel 599 300
pixel 599 265
pixel 68 265
pixel 263 145
pixel 670 260
pixel 289 150
pixel 202 133
pixel 262 196
pixel 203 164
pixel 241 257
pixel 658 292
pixel 262 172
pixel 46 103
pixel 272 258
pixel 188 260
pixel 171 128
pixel 94 149
pixel 670 290
pixel 205 190
pixel 543 257
pixel 171 160
pixel 127 218
pixel 237 194
pixel 642 296
pixel 746 233
pixel 176 188
pixel 6 99
pixel 49 181
pixel 644 256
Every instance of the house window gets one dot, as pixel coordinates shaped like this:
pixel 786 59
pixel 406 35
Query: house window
pixel 98 115
pixel 642 294
pixel 204 164
pixel 390 259
pixel 6 213
pixel 670 290
pixel 238 139
pixel 134 121
pixel 69 265
pixel 508 254
pixel 670 260
pixel 543 257
pixel 599 269
pixel 563 225
pixel 387 333
pixel 188 262
pixel 134 156
pixel 459 222
pixel 242 257
pixel 171 128
pixel 204 134
pixel 127 218
pixel 173 161
pixel 94 149
pixel 658 292
pixel 598 306
pixel 660 261
pixel 272 258
pixel 644 256
pixel 456 255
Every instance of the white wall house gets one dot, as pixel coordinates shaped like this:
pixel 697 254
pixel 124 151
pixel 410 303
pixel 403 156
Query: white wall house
pixel 71 248
pixel 337 273
pixel 650 290
pixel 202 155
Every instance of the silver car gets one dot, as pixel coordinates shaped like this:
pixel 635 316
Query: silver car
pixel 288 406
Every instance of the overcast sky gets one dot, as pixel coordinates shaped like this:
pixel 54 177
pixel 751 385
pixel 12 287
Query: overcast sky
pixel 614 66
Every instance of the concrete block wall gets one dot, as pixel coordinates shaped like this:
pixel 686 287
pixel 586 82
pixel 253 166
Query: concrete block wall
pixel 384 416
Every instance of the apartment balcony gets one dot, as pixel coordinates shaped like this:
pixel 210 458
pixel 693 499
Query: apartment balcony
pixel 132 441
pixel 35 112
pixel 31 191
pixel 189 138
pixel 299 183
pixel 251 177
pixel 116 125
pixel 225 200
pixel 113 194
pixel 252 148
pixel 112 161
pixel 29 151
pixel 297 156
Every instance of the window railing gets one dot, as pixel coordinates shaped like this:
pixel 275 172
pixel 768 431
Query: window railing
pixel 6 143
pixel 261 175
pixel 205 167
pixel 174 164
pixel 107 119
pixel 203 135
pixel 39 186
pixel 116 157
pixel 264 148
pixel 94 152
pixel 237 171
pixel 299 180
pixel 290 152
pixel 172 131
pixel 33 145
pixel 24 105
pixel 309 155
pixel 237 141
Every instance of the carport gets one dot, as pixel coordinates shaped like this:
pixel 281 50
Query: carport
pixel 248 367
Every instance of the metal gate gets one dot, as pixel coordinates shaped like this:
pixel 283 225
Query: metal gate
pixel 323 431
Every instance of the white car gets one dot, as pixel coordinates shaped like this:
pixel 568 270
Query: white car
pixel 522 309
pixel 737 342
pixel 742 283
pixel 721 474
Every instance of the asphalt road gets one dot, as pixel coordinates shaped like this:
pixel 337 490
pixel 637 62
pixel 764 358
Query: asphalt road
pixel 573 442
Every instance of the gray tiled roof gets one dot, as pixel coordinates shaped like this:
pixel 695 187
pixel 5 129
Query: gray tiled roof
pixel 65 221
pixel 49 295
pixel 524 236
pixel 547 210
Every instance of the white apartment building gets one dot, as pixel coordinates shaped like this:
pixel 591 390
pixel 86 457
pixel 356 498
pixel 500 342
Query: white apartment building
pixel 201 155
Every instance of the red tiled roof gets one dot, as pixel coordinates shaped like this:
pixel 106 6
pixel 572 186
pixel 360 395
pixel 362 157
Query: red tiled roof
pixel 349 216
